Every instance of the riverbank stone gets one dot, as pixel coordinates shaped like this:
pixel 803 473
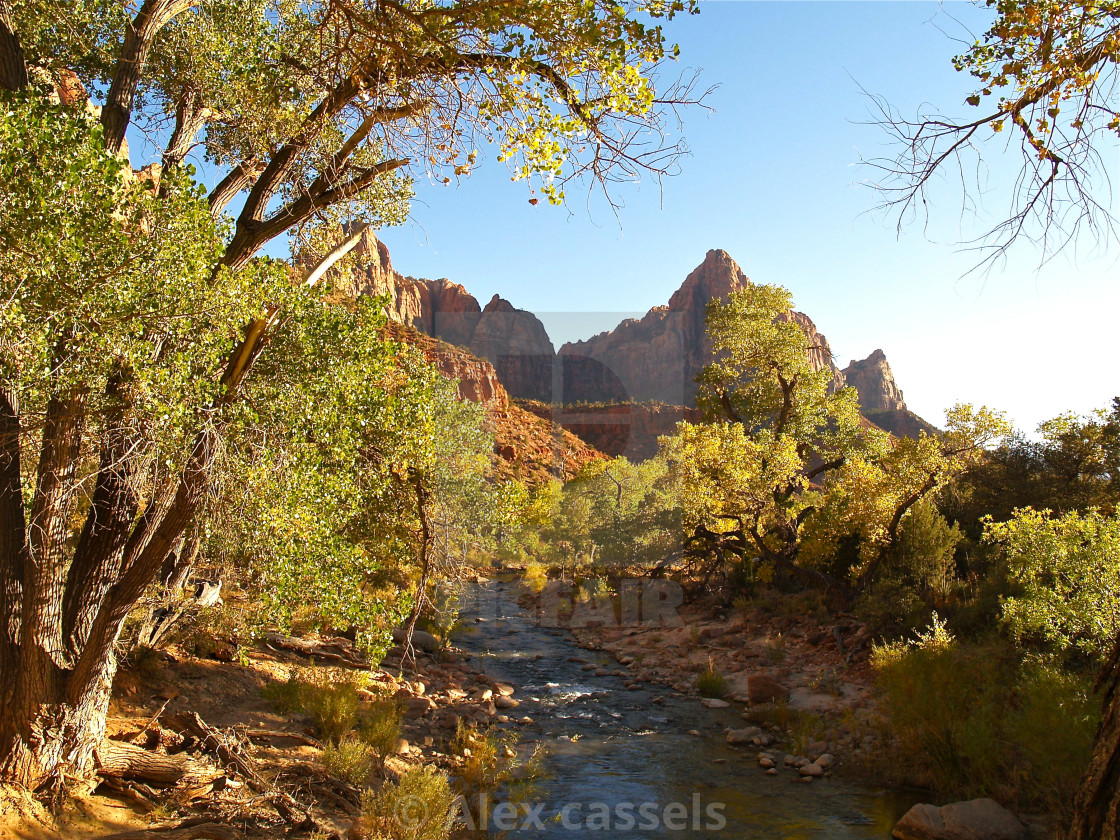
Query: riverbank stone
pixel 978 819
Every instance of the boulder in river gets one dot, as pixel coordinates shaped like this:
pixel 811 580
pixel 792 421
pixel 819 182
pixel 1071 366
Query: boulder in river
pixel 420 639
pixel 743 736
pixel 978 819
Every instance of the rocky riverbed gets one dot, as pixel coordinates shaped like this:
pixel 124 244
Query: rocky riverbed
pixel 630 750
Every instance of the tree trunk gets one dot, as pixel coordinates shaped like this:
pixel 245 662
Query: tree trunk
pixel 1097 807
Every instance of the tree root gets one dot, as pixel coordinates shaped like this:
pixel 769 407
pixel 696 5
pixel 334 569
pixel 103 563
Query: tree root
pixel 342 654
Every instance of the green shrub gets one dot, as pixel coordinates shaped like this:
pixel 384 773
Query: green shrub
pixel 944 706
pixel 328 697
pixel 1053 725
pixel 379 724
pixel 893 607
pixel 971 721
pixel 351 760
pixel 418 807
pixel 286 697
pixel 924 552
pixel 710 682
pixel 1069 571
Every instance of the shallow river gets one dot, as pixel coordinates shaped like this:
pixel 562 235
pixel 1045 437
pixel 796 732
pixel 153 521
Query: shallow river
pixel 621 766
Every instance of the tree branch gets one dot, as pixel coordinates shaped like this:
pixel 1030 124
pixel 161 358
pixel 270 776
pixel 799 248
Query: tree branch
pixel 138 40
pixel 13 65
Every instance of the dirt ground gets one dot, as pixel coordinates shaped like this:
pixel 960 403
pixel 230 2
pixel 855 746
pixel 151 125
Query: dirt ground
pixel 154 692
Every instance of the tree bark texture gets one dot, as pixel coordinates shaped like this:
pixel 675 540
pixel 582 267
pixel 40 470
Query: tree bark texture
pixel 1097 807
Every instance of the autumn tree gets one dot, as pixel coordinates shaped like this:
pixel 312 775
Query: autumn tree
pixel 750 476
pixel 783 455
pixel 1045 75
pixel 134 310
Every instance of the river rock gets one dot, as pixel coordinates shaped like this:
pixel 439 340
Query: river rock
pixel 813 770
pixel 762 688
pixel 417 706
pixel 713 703
pixel 743 736
pixel 978 819
pixel 503 701
pixel 420 639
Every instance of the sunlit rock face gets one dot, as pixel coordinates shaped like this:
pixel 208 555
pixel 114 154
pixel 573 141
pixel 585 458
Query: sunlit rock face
pixel 873 380
pixel 512 340
pixel 658 356
pixel 652 359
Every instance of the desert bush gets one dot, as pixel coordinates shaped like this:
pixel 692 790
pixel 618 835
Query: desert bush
pixel 710 682
pixel 776 714
pixel 328 697
pixel 1052 726
pixel 351 759
pixel 379 724
pixel 487 758
pixel 943 706
pixel 804 729
pixel 535 577
pixel 972 721
pixel 418 807
pixel 892 607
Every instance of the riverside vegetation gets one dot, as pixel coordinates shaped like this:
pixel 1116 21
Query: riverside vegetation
pixel 230 503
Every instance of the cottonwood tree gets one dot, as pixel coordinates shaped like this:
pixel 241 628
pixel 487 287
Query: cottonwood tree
pixel 783 454
pixel 318 503
pixel 1046 75
pixel 1046 85
pixel 134 311
pixel 749 477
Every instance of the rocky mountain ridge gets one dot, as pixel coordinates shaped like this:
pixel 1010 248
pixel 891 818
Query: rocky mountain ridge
pixel 648 360
pixel 513 340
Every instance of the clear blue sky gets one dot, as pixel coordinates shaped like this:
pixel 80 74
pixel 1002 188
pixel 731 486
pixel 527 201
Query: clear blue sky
pixel 772 180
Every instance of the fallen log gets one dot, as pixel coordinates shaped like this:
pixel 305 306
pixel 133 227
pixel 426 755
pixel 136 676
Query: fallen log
pixel 120 760
pixel 326 651
pixel 282 733
pixel 228 751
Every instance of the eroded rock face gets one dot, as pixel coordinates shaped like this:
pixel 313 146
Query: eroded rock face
pixel 658 357
pixel 513 340
pixel 873 380
pixel 478 381
pixel 516 343
pixel 820 354
pixel 629 429
pixel 654 359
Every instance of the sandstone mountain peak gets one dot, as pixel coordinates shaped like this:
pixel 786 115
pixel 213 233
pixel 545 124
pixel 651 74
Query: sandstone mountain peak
pixel 873 379
pixel 512 340
pixel 716 277
pixel 499 304
pixel 653 359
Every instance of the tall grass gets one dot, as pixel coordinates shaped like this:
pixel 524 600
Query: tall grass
pixel 971 720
